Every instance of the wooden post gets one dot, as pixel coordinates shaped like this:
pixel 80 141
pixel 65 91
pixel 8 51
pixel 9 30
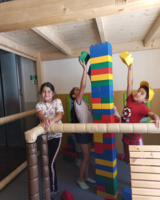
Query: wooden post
pixel 32 164
pixel 45 162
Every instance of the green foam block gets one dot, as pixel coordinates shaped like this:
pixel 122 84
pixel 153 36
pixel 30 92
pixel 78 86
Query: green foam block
pixel 111 184
pixel 97 117
pixel 84 56
pixel 101 83
pixel 101 65
pixel 107 100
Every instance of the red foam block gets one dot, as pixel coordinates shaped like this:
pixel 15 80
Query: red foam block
pixel 109 146
pixel 98 150
pixel 101 71
pixel 70 146
pixel 108 135
pixel 96 100
pixel 108 118
pixel 72 155
pixel 67 195
pixel 101 188
pixel 110 198
pixel 65 149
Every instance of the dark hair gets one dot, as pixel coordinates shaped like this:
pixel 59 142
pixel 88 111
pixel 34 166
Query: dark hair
pixel 74 118
pixel 72 93
pixel 47 84
pixel 147 91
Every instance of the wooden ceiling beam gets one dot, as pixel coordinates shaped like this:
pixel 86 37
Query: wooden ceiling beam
pixel 48 35
pixel 14 47
pixel 17 15
pixel 101 30
pixel 116 48
pixel 152 32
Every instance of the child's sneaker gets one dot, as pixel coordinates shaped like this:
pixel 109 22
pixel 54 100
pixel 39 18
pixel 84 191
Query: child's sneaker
pixel 89 180
pixel 78 162
pixel 83 185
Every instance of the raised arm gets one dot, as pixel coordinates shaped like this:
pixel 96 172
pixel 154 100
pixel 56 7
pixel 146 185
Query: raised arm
pixel 130 80
pixel 83 82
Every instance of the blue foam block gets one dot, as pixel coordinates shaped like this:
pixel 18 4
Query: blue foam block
pixel 101 183
pixel 92 153
pixel 127 194
pixel 103 111
pixel 109 155
pixel 109 140
pixel 105 94
pixel 106 168
pixel 96 89
pixel 108 88
pixel 102 49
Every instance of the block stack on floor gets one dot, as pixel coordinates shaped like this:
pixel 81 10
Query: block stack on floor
pixel 103 112
pixel 69 153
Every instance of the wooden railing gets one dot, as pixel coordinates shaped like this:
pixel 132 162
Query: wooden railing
pixel 31 137
pixel 5 120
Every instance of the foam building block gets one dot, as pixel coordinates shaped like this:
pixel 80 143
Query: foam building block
pixel 127 194
pixel 67 195
pixel 103 112
pixel 84 56
pixel 126 58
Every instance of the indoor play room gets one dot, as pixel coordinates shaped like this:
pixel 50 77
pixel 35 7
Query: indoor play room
pixel 79 98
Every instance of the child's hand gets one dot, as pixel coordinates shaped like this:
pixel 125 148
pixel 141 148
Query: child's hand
pixel 83 65
pixel 130 66
pixel 157 122
pixel 46 124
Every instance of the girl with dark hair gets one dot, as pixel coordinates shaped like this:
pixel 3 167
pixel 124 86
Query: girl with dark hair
pixel 50 111
pixel 84 115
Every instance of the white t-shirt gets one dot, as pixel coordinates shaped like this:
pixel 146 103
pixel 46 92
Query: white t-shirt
pixel 49 111
pixel 83 112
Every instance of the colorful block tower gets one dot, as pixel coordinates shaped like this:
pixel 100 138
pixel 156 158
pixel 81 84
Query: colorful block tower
pixel 103 112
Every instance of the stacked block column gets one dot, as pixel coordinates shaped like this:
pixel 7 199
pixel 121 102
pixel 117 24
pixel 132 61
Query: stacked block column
pixel 103 112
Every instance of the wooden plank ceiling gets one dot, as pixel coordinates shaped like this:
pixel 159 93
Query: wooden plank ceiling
pixel 67 40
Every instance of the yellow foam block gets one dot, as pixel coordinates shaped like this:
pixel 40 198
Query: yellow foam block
pixel 106 162
pixel 98 135
pixel 104 194
pixel 107 106
pixel 96 106
pixel 101 59
pixel 126 58
pixel 98 139
pixel 92 150
pixel 102 77
pixel 106 174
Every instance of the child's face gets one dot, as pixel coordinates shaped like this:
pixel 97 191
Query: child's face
pixel 76 92
pixel 140 95
pixel 47 94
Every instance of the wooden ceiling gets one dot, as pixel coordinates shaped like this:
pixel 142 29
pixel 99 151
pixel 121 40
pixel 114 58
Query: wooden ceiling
pixel 139 25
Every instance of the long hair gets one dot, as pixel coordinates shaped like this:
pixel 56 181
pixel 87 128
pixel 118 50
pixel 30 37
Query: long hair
pixel 74 118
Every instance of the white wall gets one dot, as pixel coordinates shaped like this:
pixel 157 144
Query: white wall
pixel 66 74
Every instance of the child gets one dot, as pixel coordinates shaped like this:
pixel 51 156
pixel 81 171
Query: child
pixel 135 110
pixel 50 111
pixel 84 115
pixel 73 135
